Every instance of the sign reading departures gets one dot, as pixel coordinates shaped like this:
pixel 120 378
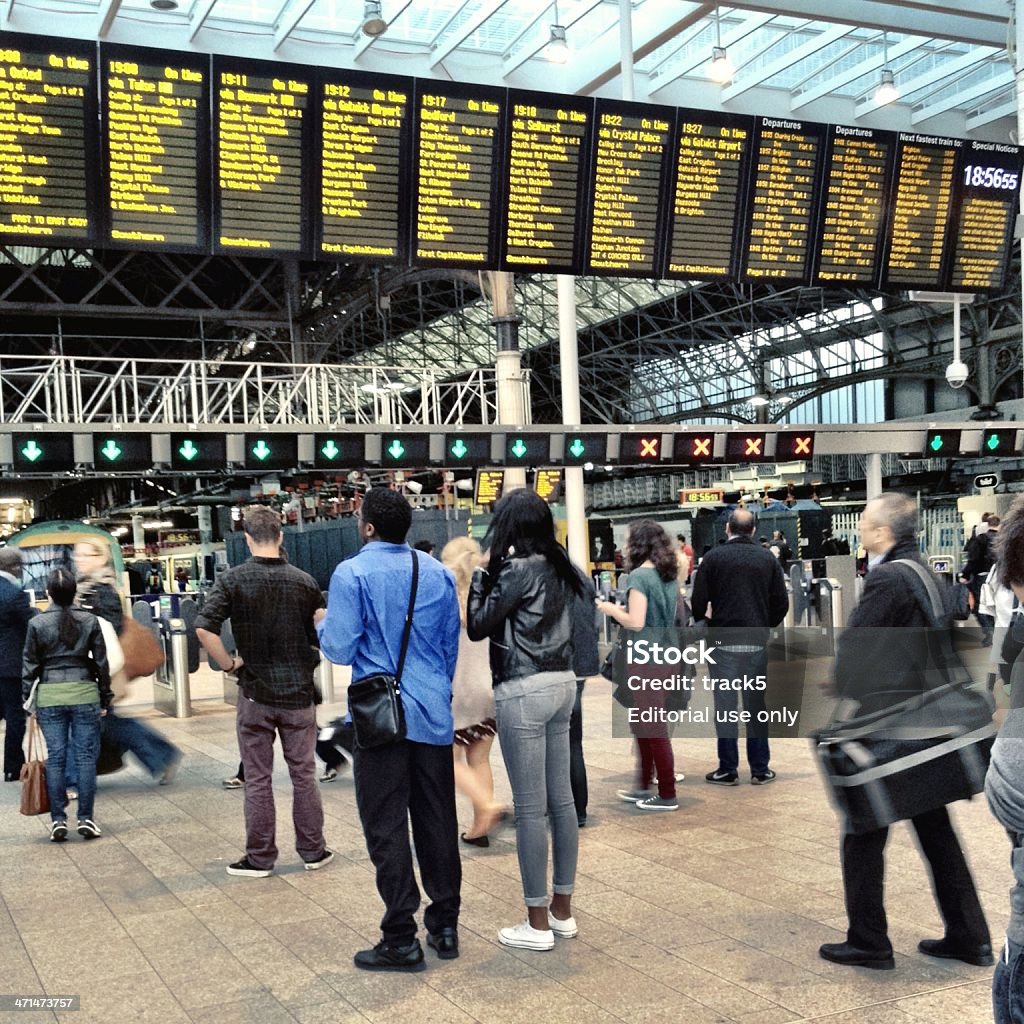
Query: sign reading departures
pixel 113 145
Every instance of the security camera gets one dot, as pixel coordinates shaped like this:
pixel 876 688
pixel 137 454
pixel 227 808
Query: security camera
pixel 957 374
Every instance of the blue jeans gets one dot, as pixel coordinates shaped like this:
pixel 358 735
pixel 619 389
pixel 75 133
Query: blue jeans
pixel 156 753
pixel 1008 986
pixel 83 722
pixel 736 665
pixel 533 726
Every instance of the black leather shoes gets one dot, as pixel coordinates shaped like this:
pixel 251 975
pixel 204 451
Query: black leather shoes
pixel 851 956
pixel 445 943
pixel 977 956
pixel 385 957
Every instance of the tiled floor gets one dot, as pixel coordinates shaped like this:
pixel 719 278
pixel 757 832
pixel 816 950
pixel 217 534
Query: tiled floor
pixel 709 915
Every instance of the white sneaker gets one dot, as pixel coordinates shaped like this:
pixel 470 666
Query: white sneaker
pixel 525 936
pixel 563 929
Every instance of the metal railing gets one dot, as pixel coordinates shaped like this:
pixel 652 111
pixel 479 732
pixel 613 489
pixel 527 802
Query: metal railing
pixel 75 390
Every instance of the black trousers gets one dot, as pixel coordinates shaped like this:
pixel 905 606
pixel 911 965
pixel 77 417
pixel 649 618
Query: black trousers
pixel 13 714
pixel 577 766
pixel 396 783
pixel 952 884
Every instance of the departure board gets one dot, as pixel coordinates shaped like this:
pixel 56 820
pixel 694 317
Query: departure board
pixel 458 129
pixel 156 127
pixel 261 128
pixel 364 128
pixel 856 186
pixel 711 171
pixel 988 188
pixel 632 154
pixel 547 141
pixel 47 143
pixel 783 200
pixel 919 210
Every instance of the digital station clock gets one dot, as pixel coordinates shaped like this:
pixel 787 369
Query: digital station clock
pixel 704 496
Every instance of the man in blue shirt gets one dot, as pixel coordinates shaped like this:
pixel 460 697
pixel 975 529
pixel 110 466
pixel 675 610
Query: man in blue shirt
pixel 413 778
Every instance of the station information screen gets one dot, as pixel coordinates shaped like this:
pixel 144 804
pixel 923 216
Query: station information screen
pixel 920 205
pixel 47 145
pixel 458 130
pixel 632 153
pixel 856 185
pixel 364 129
pixel 780 216
pixel 156 126
pixel 547 141
pixel 260 125
pixel 989 188
pixel 711 170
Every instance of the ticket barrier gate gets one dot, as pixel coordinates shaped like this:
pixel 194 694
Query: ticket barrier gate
pixel 171 691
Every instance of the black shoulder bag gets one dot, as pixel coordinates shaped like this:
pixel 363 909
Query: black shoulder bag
pixel 375 703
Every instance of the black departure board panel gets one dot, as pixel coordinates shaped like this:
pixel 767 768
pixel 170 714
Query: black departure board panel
pixel 989 188
pixel 632 156
pixel 783 200
pixel 156 130
pixel 458 130
pixel 919 213
pixel 47 139
pixel 261 156
pixel 546 139
pixel 857 180
pixel 365 125
pixel 711 171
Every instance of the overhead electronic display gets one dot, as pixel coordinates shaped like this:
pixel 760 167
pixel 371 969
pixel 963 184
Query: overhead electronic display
pixel 939 443
pixel 712 165
pixel 339 451
pixel 156 127
pixel 546 139
pixel 581 448
pixel 271 451
pixel 364 128
pixel 986 210
pixel 783 202
pixel 632 157
pixel 43 453
pixel 458 130
pixel 857 180
pixel 794 444
pixel 199 451
pixel 48 152
pixel 489 485
pixel 635 449
pixel 527 449
pixel 998 441
pixel 467 450
pixel 693 449
pixel 919 212
pixel 548 484
pixel 405 450
pixel 121 453
pixel 261 127
pixel 749 447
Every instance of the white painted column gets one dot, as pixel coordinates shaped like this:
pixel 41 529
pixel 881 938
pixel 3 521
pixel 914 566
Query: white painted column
pixel 568 353
pixel 873 472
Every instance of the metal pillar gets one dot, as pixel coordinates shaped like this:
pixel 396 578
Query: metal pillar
pixel 873 472
pixel 508 363
pixel 568 351
pixel 138 536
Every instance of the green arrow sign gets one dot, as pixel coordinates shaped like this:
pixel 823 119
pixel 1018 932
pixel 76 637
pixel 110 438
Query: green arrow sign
pixel 31 451
pixel 331 450
pixel 936 443
pixel 261 450
pixel 992 443
pixel 458 449
pixel 188 451
pixel 518 449
pixel 111 451
pixel 396 450
pixel 577 448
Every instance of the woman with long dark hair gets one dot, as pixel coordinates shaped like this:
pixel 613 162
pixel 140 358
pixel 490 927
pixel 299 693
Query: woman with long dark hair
pixel 650 604
pixel 65 662
pixel 522 600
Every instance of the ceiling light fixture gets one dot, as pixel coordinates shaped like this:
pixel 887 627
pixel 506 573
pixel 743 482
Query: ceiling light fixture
pixel 758 400
pixel 721 69
pixel 373 21
pixel 557 49
pixel 164 5
pixel 887 91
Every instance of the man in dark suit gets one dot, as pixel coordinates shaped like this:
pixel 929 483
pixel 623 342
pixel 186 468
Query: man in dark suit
pixel 15 611
pixel 744 586
pixel 879 659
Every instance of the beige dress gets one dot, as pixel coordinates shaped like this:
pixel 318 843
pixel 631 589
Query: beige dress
pixel 472 692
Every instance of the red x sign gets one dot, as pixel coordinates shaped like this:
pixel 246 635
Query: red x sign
pixel 753 445
pixel 648 447
pixel 801 446
pixel 702 446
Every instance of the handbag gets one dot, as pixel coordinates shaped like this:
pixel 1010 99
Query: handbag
pixel 142 652
pixel 35 799
pixel 375 702
pixel 917 755
pixel 613 668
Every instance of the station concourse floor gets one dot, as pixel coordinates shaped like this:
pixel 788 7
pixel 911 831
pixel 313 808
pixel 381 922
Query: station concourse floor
pixel 712 914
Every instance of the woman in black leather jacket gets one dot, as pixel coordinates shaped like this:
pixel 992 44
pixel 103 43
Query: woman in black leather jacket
pixel 65 661
pixel 522 601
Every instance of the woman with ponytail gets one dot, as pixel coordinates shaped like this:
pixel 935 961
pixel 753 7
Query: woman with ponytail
pixel 65 663
pixel 522 600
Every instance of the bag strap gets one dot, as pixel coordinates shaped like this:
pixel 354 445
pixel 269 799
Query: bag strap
pixel 408 616
pixel 930 586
